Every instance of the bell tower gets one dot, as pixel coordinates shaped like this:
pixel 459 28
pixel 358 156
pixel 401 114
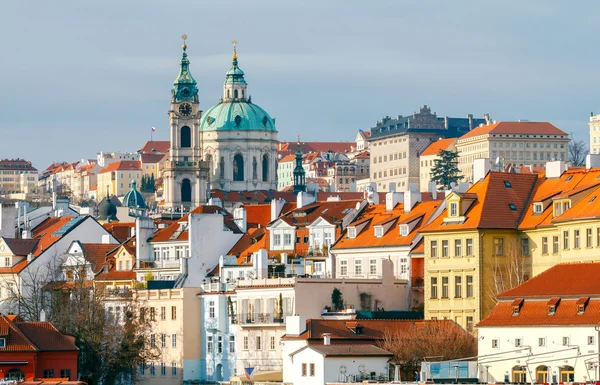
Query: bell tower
pixel 184 178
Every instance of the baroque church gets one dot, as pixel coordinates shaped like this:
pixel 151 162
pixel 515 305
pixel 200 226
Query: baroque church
pixel 231 147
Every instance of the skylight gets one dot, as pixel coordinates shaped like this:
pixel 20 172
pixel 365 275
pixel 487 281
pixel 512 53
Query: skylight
pixel 507 184
pixel 569 178
pixel 512 207
pixel 592 199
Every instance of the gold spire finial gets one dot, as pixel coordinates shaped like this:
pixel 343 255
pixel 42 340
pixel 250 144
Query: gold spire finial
pixel 234 42
pixel 298 139
pixel 184 38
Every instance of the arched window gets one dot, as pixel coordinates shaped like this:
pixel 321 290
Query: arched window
pixel 254 168
pixel 186 190
pixel 14 375
pixel 238 168
pixel 222 167
pixel 242 93
pixel 186 137
pixel 235 94
pixel 567 374
pixel 265 168
pixel 541 374
pixel 519 374
pixel 228 94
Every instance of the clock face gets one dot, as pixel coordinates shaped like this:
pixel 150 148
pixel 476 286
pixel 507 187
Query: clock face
pixel 185 109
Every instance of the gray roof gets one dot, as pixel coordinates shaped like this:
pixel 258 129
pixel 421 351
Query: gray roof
pixel 343 350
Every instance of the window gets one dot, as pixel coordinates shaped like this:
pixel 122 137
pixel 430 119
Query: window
pixel 142 369
pixel 173 340
pixel 590 340
pixel 404 230
pixel 173 368
pixel 512 207
pixel 433 249
pixel 378 231
pixel 434 283
pixel 152 369
pixel 373 266
pixel 277 239
pixel 211 309
pixel 173 312
pixel 454 209
pixel 163 313
pixel 312 369
pixel 469 323
pixel 565 341
pixel 517 342
pixel 498 247
pixel 576 239
pixel 565 239
pixel 541 341
pixel 525 246
pixel 153 340
pixel 287 239
pixel 458 286
pixel 445 251
pixel 209 344
pixel 258 343
pixel 351 232
pixel 469 247
pixel 588 237
pixel 163 340
pixel 458 247
pixel 555 244
pixel 344 268
pixel 597 236
pixel 48 373
pixel 152 314
pixel 303 369
pixel 507 183
pixel 544 245
pixel 358 266
pixel 219 344
pixel 469 286
pixel 272 343
pixel 538 208
pixel 494 344
pixel 444 287
pixel 163 369
pixel 231 344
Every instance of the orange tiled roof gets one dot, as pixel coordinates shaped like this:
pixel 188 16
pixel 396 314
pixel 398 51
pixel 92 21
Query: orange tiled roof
pixel 288 158
pixel 435 147
pixel 306 147
pixel 531 128
pixel 122 165
pixel 331 211
pixel 96 253
pixel 45 233
pixel 46 336
pixel 377 215
pixel 17 340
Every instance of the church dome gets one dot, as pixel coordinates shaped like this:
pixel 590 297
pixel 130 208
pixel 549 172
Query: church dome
pixel 239 116
pixel 134 199
pixel 236 112
pixel 107 210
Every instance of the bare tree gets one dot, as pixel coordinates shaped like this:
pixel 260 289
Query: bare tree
pixel 578 149
pixel 510 265
pixel 412 344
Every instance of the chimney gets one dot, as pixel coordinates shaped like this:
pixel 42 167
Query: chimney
pixel 239 217
pixel 592 161
pixel 481 167
pixel 371 194
pixel 106 239
pixel 433 189
pixel 411 197
pixel 326 338
pixel 555 169
pixel 276 207
pixel 470 117
pixel 144 228
pixel 295 325
pixel 392 199
pixel 42 316
pixel 284 258
pixel 304 199
pixel 261 263
pixel 215 202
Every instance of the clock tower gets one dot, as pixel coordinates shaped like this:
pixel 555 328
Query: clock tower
pixel 184 173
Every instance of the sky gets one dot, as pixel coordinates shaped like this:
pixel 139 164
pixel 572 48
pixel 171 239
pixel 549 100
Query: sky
pixel 77 78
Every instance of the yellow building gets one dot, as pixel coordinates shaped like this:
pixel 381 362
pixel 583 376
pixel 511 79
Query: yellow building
pixel 471 245
pixel 17 176
pixel 116 178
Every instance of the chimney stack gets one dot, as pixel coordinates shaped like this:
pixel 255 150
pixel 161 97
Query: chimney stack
pixel 326 339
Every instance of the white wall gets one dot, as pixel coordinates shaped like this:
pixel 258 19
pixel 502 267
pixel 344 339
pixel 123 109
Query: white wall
pixel 555 354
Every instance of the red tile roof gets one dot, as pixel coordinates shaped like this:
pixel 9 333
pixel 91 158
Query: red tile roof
pixel 306 147
pixel 288 158
pixel 151 158
pixel 343 350
pixel 332 212
pixel 16 165
pixel 46 336
pixel 531 128
pixel 96 253
pixel 156 146
pixel 122 165
pixel 435 147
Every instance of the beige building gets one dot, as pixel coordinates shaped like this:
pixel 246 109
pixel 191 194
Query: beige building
pixel 117 178
pixel 428 157
pixel 515 143
pixel 17 176
pixel 594 134
pixel 396 144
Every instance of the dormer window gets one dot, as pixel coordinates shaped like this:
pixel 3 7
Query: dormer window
pixel 454 209
pixel 378 231
pixel 581 305
pixel 2 342
pixel 551 309
pixel 552 304
pixel 566 206
pixel 557 209
pixel 538 208
pixel 351 232
pixel 516 306
pixel 404 230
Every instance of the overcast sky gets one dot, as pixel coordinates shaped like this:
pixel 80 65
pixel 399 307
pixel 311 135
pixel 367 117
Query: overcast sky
pixel 79 77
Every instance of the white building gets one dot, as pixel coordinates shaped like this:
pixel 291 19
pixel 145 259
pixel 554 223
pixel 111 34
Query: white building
pixel 594 133
pixel 545 330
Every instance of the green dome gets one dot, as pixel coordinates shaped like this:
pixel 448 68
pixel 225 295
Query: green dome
pixel 237 116
pixel 134 199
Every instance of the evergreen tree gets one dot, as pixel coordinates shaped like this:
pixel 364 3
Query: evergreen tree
pixel 143 184
pixel 445 169
pixel 151 187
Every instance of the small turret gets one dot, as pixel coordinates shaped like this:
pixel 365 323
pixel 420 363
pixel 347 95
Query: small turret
pixel 299 173
pixel 184 87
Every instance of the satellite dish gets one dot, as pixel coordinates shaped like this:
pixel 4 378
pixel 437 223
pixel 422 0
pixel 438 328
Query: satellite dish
pixel 497 160
pixel 343 369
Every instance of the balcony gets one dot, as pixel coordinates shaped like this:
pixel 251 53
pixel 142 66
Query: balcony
pixel 217 287
pixel 249 319
pixel 118 293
